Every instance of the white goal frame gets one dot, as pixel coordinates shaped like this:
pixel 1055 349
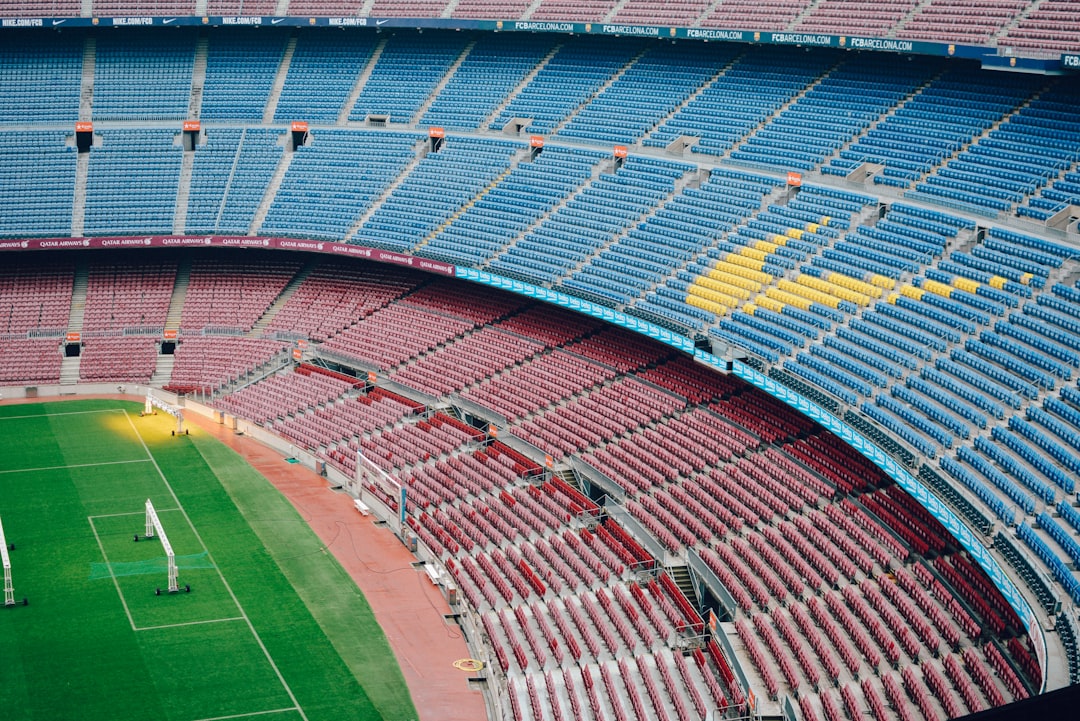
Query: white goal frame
pixel 154 528
pixel 176 412
pixel 9 590
pixel 365 469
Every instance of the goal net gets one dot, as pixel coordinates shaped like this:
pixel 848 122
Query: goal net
pixel 375 481
pixel 154 529
pixel 9 590
pixel 153 402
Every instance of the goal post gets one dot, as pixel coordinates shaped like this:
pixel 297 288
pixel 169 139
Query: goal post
pixel 154 529
pixel 153 402
pixel 9 590
pixel 388 487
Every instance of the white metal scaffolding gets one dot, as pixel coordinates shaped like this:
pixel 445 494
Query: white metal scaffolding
pixel 177 412
pixel 9 590
pixel 153 527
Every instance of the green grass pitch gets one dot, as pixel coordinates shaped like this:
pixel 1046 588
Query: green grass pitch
pixel 273 628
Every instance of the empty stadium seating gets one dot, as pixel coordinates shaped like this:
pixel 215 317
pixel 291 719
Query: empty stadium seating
pixel 143 76
pixel 953 345
pixel 132 184
pixel 44 164
pixel 229 175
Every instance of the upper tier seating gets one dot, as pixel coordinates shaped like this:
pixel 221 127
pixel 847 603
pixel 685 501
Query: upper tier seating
pixel 649 12
pixel 143 75
pixel 753 15
pixel 529 191
pixel 961 21
pixel 240 70
pixel 229 177
pixel 1053 24
pixel 321 75
pixel 245 7
pixel 593 11
pixel 495 64
pixel 329 161
pixel 839 107
pixel 42 165
pixel 745 94
pixel 435 190
pixel 157 7
pixel 855 17
pixel 652 87
pixel 408 69
pixel 132 182
pixel 43 8
pixel 578 69
pixel 490 9
pixel 38 86
pixel 324 8
pixel 408 8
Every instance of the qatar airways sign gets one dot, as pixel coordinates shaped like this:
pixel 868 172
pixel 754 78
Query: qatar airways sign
pixel 230 241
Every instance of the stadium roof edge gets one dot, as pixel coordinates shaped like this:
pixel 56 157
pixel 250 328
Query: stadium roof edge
pixel 991 58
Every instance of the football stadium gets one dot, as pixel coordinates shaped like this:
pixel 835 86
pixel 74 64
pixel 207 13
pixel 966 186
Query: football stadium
pixel 678 359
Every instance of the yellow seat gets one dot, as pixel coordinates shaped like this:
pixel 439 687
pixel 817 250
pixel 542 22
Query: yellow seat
pixel 788 298
pixel 744 261
pixel 769 303
pixel 810 294
pixel 883 282
pixel 967 284
pixel 912 292
pixel 744 272
pixel 937 288
pixel 856 285
pixel 706 304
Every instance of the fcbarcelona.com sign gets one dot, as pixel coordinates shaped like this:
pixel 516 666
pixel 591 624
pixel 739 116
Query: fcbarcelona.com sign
pixel 230 241
pixel 987 53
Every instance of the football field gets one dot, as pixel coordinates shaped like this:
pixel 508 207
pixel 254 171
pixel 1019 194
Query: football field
pixel 272 628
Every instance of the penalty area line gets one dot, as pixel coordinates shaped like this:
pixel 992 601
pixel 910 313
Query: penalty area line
pixel 116 583
pixel 65 413
pixel 189 623
pixel 253 713
pixel 76 465
pixel 130 513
